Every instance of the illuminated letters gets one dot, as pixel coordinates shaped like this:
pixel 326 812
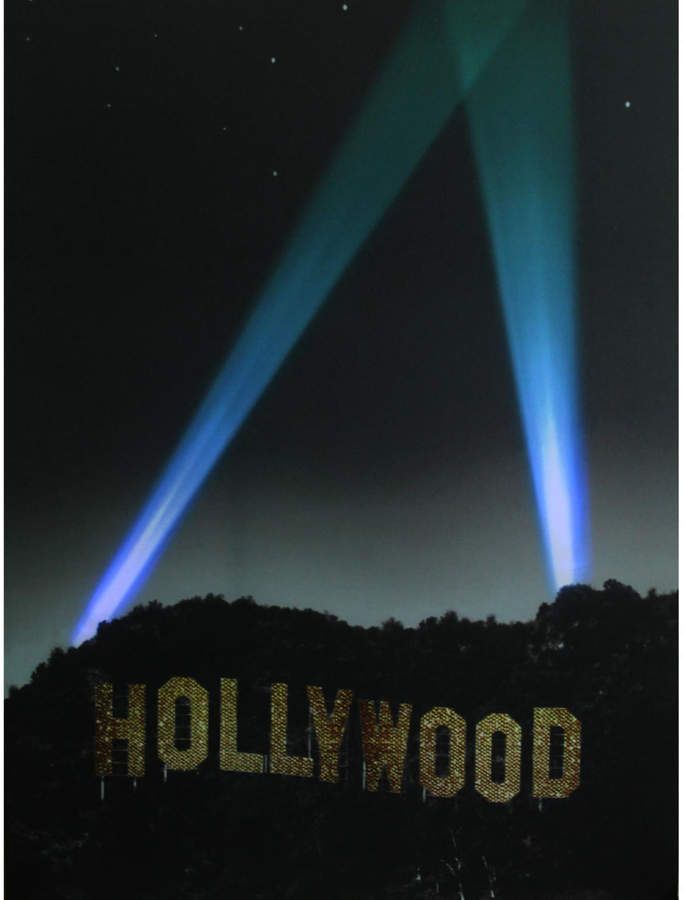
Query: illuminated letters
pixel 281 762
pixel 449 784
pixel 108 728
pixel 230 757
pixel 329 729
pixel 384 743
pixel 543 785
pixel 175 689
pixel 183 741
pixel 497 791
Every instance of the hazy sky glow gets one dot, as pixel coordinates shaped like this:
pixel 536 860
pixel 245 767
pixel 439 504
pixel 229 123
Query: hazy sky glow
pixel 521 120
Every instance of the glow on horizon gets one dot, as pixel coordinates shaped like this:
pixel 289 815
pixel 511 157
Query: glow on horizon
pixel 520 115
pixel 403 113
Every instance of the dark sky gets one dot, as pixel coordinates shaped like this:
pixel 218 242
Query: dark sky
pixel 383 472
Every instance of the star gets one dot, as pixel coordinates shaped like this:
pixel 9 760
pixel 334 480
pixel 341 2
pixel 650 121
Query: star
pixel 117 68
pixel 108 105
pixel 275 173
pixel 345 7
pixel 273 60
pixel 241 27
pixel 628 104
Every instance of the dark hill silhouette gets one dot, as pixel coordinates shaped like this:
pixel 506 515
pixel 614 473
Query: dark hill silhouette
pixel 609 656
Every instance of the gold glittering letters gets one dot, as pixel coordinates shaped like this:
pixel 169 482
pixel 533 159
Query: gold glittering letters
pixel 173 690
pixel 543 784
pixel 281 762
pixel 449 784
pixel 230 757
pixel 438 750
pixel 497 791
pixel 131 729
pixel 384 743
pixel 329 729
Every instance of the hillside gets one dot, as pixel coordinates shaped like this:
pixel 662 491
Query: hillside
pixel 609 656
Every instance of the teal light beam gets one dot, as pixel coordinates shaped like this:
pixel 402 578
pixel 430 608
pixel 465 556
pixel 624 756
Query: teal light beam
pixel 521 117
pixel 404 112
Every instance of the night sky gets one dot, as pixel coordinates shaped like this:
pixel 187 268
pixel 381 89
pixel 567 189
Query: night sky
pixel 157 157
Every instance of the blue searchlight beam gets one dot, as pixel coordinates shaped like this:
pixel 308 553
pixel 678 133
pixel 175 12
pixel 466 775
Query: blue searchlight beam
pixel 402 115
pixel 520 117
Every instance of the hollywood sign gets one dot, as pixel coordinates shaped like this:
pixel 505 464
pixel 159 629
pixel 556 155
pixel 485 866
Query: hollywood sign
pixel 384 740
